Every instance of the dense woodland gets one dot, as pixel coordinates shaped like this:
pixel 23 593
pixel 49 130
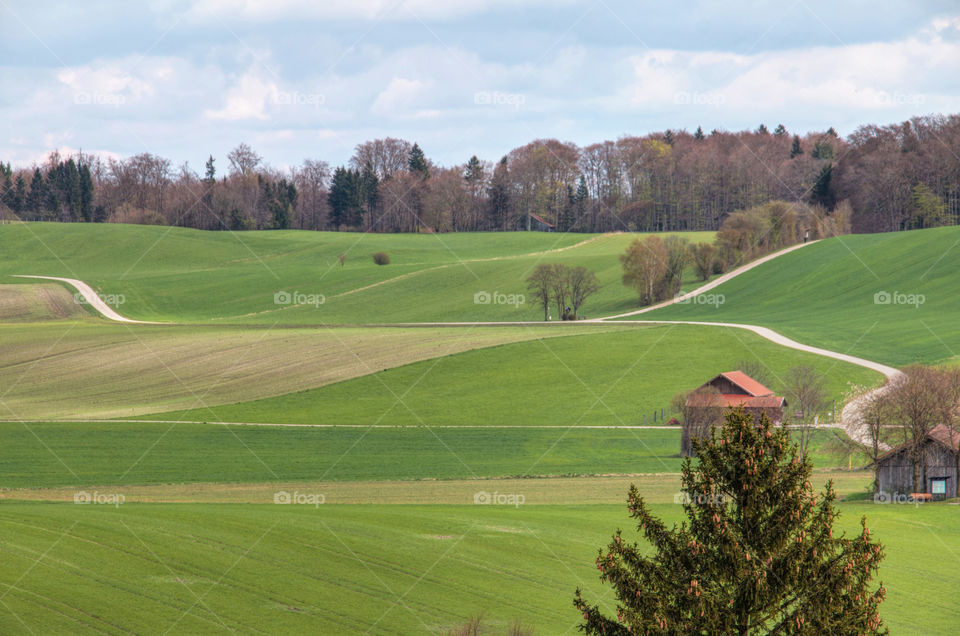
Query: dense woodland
pixel 894 177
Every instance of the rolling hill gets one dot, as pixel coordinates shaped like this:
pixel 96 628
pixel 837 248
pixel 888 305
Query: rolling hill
pixel 885 297
pixel 175 274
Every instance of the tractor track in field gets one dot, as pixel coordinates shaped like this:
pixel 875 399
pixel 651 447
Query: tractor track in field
pixel 474 260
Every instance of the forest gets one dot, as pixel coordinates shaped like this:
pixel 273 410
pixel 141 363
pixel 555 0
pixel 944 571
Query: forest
pixel 888 178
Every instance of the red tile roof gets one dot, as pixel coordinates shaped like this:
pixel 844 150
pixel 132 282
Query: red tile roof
pixel 748 384
pixel 734 399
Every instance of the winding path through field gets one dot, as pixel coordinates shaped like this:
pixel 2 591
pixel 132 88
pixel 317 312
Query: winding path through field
pixel 91 298
pixel 849 416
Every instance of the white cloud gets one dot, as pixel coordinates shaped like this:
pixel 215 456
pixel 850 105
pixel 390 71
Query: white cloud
pixel 108 84
pixel 467 93
pixel 863 78
pixel 399 97
pixel 247 99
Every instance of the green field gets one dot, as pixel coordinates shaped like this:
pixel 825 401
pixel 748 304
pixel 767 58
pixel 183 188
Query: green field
pixel 52 454
pixel 93 369
pixel 613 378
pixel 398 428
pixel 824 295
pixel 376 569
pixel 180 275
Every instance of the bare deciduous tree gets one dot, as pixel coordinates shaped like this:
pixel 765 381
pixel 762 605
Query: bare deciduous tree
pixel 807 396
pixel 703 259
pixel 644 265
pixel 678 258
pixel 697 421
pixel 874 412
pixel 540 286
pixel 386 156
pixel 561 284
pixel 581 283
pixel 243 160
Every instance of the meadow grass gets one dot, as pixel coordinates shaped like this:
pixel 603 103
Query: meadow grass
pixel 614 378
pixel 59 454
pixel 91 369
pixel 824 295
pixel 375 569
pixel 182 275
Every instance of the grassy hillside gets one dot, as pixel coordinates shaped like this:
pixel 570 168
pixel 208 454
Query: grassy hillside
pixel 91 369
pixel 374 569
pixel 177 274
pixel 825 295
pixel 597 379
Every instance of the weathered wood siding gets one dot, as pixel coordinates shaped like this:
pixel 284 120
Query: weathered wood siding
pixel 896 470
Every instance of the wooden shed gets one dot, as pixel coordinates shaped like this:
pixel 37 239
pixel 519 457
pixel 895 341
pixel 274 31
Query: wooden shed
pixel 938 466
pixel 707 405
pixel 535 223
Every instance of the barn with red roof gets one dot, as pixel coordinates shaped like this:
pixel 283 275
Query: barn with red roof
pixel 706 405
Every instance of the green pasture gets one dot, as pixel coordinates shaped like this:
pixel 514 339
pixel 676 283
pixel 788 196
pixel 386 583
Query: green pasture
pixel 889 297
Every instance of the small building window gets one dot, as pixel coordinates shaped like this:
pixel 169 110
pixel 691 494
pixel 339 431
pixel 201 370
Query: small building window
pixel 938 488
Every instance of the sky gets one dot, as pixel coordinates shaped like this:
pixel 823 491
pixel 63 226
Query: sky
pixel 299 79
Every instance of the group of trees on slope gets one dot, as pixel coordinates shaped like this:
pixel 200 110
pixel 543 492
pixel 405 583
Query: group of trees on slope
pixel 654 267
pixel 894 177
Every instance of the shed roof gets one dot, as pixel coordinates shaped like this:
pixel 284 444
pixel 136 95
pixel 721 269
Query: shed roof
pixel 734 399
pixel 941 434
pixel 748 384
pixel 540 219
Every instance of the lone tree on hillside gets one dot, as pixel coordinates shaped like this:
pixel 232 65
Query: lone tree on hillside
pixel 569 287
pixel 757 555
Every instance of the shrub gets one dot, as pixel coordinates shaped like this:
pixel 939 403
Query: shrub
pixel 381 258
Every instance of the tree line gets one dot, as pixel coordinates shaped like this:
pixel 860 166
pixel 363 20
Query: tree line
pixel 894 177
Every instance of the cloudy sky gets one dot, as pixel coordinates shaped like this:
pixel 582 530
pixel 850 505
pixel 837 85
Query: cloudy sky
pixel 300 79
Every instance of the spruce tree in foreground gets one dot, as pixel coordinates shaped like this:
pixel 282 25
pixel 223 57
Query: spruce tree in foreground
pixel 757 555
